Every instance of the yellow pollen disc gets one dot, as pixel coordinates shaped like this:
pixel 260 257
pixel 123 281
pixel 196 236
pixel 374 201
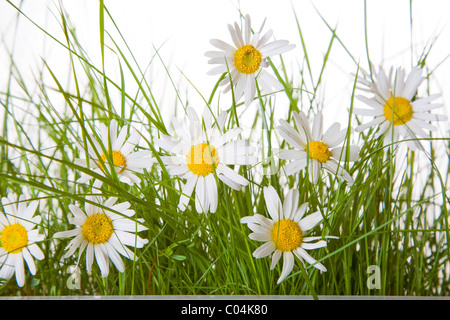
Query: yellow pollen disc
pixel 319 151
pixel 247 59
pixel 118 160
pixel 287 235
pixel 202 159
pixel 398 110
pixel 14 238
pixel 97 228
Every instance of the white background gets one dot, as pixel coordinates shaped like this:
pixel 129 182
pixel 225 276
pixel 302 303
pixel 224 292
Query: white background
pixel 181 29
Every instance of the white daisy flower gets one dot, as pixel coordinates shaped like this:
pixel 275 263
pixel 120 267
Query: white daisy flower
pixel 105 230
pixel 395 108
pixel 122 157
pixel 284 234
pixel 202 153
pixel 314 149
pixel 18 238
pixel 246 60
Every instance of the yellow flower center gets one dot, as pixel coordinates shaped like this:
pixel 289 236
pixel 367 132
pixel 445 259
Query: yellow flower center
pixel 97 228
pixel 202 159
pixel 319 151
pixel 247 59
pixel 14 238
pixel 118 159
pixel 287 235
pixel 398 110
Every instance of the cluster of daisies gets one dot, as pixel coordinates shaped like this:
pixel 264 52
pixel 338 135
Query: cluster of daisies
pixel 201 153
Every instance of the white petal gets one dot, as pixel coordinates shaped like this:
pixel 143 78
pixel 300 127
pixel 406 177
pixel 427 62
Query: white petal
pixel 337 138
pixel 264 39
pixel 77 213
pixel 120 248
pixel 275 48
pixel 369 124
pixel 129 239
pixel 229 182
pixel 338 170
pixel 260 236
pixel 226 137
pixel 120 139
pixel 36 251
pixel 240 83
pixel 383 84
pixel 115 257
pixel 293 137
pixel 265 82
pixel 412 83
pixel 368 112
pixel 370 102
pixel 273 203
pixel 7 269
pixel 270 80
pixel 29 211
pixel 300 212
pixel 89 257
pixel 429 116
pixel 248 29
pixel 66 234
pixel 238 34
pixel 295 166
pixel 222 46
pixel 292 154
pixel 237 39
pixel 250 89
pixel 303 126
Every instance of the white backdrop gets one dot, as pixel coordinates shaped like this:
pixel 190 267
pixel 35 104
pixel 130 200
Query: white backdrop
pixel 182 29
